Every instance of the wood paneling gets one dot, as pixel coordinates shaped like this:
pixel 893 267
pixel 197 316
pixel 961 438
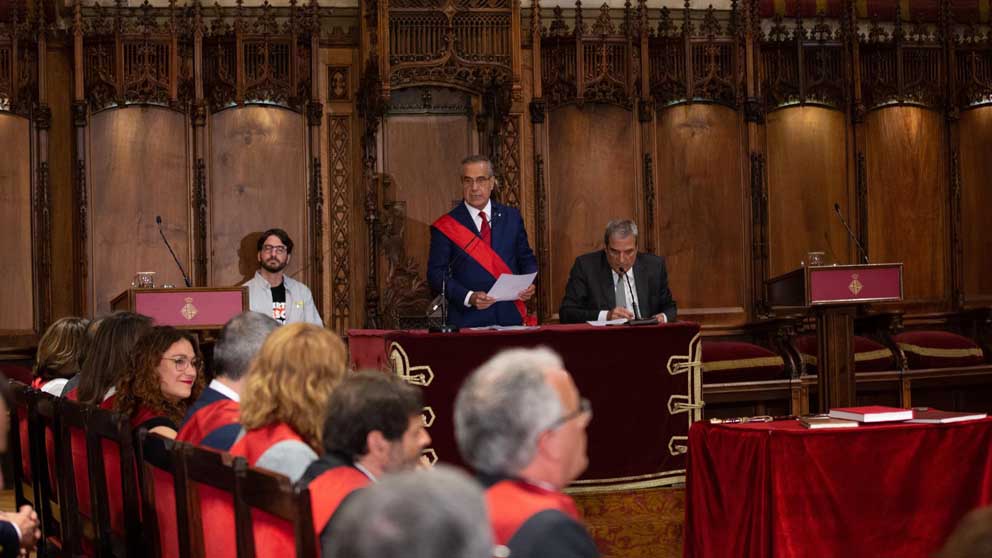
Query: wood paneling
pixel 976 199
pixel 592 173
pixel 806 153
pixel 423 156
pixel 17 296
pixel 61 163
pixel 257 180
pixel 907 200
pixel 138 169
pixel 700 209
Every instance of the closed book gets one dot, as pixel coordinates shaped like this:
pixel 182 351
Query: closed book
pixel 872 413
pixel 826 422
pixel 933 416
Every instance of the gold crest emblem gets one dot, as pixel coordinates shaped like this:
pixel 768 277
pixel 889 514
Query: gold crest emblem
pixel 189 311
pixel 855 286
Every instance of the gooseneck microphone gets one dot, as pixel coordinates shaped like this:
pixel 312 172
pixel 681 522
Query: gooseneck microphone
pixel 850 233
pixel 158 221
pixel 633 300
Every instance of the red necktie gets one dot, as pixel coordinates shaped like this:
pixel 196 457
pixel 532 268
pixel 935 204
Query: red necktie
pixel 484 231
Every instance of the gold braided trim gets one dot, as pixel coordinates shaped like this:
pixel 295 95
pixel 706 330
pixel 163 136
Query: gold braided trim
pixel 659 480
pixel 742 363
pixel 858 357
pixel 946 353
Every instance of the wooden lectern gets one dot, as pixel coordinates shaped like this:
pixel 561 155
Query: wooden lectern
pixel 206 308
pixel 833 294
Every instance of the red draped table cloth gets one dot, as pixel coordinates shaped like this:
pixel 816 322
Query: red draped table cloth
pixel 780 490
pixel 643 383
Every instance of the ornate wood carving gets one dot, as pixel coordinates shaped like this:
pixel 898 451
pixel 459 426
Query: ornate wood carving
pixel 905 67
pixel 697 62
pixel 759 233
pixel 861 192
pixel 599 63
pixel 339 162
pixel 540 239
pixel 43 246
pixel 316 198
pixel 805 66
pixel 509 159
pixel 459 43
pixel 18 63
pixel 82 231
pixel 371 106
pixel 972 54
pixel 648 169
pixel 200 224
pixel 407 293
pixel 956 224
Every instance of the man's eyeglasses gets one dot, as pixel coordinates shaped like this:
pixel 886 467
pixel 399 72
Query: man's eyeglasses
pixel 478 180
pixel 274 249
pixel 585 408
pixel 182 363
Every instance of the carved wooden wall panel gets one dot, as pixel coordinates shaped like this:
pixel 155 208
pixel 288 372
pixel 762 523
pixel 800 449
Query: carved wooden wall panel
pixel 60 155
pixel 592 178
pixel 907 200
pixel 976 199
pixel 422 156
pixel 16 298
pixel 806 154
pixel 258 180
pixel 135 175
pixel 700 210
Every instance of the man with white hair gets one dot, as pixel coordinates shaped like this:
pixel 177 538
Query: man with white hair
pixel 521 424
pixel 429 513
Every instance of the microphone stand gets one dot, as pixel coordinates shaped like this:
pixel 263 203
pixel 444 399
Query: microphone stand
pixel 158 221
pixel 850 233
pixel 445 327
pixel 638 320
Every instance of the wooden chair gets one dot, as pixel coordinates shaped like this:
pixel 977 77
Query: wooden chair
pixel 163 488
pixel 50 473
pixel 19 447
pixel 214 480
pixel 109 436
pixel 276 496
pixel 78 522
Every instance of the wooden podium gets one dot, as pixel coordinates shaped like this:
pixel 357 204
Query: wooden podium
pixel 833 294
pixel 207 308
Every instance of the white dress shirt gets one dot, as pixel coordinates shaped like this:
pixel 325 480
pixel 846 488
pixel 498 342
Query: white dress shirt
pixel 224 390
pixel 631 296
pixel 474 214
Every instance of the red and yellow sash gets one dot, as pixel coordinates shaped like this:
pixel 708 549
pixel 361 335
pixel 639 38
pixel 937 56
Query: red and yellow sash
pixel 482 253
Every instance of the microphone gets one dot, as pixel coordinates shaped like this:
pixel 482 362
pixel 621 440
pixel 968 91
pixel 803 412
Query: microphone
pixel 442 300
pixel 633 301
pixel 158 221
pixel 850 233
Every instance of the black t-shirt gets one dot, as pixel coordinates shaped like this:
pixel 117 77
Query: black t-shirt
pixel 279 303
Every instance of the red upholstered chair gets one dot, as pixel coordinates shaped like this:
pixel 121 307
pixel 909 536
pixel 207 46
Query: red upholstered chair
pixel 869 355
pixel 20 447
pixel 281 515
pixel 750 369
pixel 46 446
pixel 162 494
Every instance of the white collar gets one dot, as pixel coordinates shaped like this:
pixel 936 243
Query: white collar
pixel 366 472
pixel 475 212
pixel 110 393
pixel 221 388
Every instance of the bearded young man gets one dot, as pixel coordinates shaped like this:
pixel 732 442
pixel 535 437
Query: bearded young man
pixel 273 293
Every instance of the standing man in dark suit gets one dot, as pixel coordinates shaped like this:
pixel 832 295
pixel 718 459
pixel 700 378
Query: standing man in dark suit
pixel 617 282
pixel 472 245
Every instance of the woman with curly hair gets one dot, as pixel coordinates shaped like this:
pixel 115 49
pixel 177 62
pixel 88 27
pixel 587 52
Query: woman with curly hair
pixel 60 354
pixel 284 398
pixel 166 376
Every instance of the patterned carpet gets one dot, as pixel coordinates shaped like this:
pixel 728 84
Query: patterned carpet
pixel 636 524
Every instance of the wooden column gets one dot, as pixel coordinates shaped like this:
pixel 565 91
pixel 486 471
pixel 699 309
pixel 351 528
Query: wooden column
pixel 79 118
pixel 200 195
pixel 835 357
pixel 42 197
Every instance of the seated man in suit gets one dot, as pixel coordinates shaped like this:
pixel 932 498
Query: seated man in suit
pixel 617 282
pixel 472 246
pixel 521 424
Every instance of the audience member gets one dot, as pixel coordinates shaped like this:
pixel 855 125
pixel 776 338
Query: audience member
pixel 519 421
pixel 19 531
pixel 108 358
pixel 285 390
pixel 213 419
pixel 972 538
pixel 430 513
pixel 373 427
pixel 60 354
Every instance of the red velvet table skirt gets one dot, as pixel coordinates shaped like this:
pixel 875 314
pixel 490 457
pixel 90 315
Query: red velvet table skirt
pixel 634 377
pixel 780 490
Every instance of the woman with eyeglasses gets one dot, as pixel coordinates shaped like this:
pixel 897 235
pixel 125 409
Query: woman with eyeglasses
pixel 166 377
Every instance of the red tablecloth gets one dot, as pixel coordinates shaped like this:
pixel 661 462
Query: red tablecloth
pixel 780 490
pixel 624 371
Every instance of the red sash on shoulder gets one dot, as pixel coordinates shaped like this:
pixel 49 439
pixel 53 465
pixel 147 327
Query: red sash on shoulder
pixel 209 418
pixel 330 489
pixel 482 253
pixel 256 442
pixel 512 502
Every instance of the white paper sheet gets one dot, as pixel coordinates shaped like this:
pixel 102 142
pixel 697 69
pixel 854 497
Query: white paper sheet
pixel 508 287
pixel 618 321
